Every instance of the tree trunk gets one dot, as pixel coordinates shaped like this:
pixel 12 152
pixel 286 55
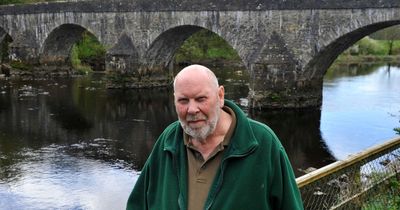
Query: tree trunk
pixel 390 46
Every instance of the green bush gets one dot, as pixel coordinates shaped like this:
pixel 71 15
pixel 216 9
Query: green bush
pixel 76 62
pixel 388 196
pixel 396 47
pixel 372 47
pixel 89 47
pixel 205 45
pixel 368 46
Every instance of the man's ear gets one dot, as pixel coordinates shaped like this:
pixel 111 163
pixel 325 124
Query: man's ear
pixel 221 95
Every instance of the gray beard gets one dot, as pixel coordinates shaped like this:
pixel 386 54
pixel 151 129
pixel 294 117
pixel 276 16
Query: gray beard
pixel 203 132
pixel 199 133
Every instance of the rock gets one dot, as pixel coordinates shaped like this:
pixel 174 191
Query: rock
pixel 5 69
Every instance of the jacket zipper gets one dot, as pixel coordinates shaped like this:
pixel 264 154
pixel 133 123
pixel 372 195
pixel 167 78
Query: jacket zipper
pixel 219 184
pixel 175 162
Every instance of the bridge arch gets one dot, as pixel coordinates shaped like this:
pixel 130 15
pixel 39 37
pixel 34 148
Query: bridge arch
pixel 160 54
pixel 57 46
pixel 319 64
pixel 281 45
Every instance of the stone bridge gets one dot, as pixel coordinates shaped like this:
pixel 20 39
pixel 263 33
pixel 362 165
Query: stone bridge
pixel 286 45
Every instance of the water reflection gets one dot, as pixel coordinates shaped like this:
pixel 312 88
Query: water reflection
pixel 300 134
pixel 75 147
pixel 75 111
pixel 361 106
pixel 72 144
pixel 49 179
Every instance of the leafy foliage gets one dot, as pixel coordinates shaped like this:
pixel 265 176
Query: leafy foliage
pixel 396 47
pixel 85 49
pixel 368 46
pixel 368 49
pixel 89 47
pixel 205 45
pixel 397 130
pixel 76 62
pixel 388 198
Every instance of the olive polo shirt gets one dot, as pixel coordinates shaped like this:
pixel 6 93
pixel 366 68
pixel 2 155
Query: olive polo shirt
pixel 201 172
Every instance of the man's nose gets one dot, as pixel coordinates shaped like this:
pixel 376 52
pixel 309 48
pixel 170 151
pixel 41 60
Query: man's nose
pixel 193 108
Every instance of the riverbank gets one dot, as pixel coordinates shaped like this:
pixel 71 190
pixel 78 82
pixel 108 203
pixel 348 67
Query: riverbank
pixel 28 72
pixel 354 59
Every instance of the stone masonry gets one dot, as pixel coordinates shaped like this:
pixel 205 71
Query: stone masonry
pixel 286 46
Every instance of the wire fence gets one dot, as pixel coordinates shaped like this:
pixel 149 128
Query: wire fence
pixel 368 180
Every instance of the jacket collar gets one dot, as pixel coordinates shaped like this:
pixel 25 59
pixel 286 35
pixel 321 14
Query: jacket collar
pixel 243 140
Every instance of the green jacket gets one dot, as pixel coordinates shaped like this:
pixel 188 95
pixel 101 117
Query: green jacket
pixel 255 173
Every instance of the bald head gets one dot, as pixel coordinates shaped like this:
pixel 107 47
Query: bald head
pixel 194 73
pixel 198 101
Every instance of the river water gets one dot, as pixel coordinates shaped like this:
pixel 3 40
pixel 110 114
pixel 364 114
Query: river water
pixel 73 144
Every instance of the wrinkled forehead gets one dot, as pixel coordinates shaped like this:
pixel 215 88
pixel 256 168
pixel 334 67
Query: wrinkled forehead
pixel 195 77
pixel 193 85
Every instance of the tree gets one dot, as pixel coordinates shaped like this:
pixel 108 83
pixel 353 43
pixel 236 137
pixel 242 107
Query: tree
pixel 389 34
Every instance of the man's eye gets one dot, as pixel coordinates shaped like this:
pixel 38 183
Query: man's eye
pixel 201 99
pixel 183 100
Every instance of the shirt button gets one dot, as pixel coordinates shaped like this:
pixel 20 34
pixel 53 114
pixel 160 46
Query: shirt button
pixel 199 180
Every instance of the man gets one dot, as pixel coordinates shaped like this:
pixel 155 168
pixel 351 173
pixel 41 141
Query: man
pixel 214 157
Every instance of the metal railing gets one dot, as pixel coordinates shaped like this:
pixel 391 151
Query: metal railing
pixel 367 180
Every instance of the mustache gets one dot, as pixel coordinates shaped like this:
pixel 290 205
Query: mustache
pixel 195 117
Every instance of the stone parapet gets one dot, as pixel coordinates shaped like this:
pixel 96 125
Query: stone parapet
pixel 185 5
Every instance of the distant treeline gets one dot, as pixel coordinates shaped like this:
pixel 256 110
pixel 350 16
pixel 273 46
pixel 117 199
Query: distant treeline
pixel 369 46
